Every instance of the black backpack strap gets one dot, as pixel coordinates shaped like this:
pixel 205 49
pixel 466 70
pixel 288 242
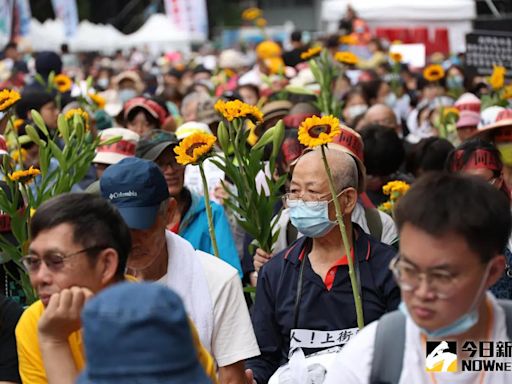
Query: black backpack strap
pixel 374 222
pixel 507 308
pixel 388 349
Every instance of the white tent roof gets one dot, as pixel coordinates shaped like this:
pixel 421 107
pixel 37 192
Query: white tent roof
pixel 158 33
pixel 158 29
pixel 404 10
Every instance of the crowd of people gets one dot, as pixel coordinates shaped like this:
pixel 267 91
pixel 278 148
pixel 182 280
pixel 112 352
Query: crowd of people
pixel 437 265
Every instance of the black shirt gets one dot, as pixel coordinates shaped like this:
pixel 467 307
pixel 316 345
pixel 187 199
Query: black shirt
pixel 10 313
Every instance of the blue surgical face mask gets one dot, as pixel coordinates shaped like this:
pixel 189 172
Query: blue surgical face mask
pixel 455 82
pixel 459 326
pixel 127 94
pixel 311 218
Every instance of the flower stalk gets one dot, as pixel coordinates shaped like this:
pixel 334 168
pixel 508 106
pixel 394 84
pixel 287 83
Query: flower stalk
pixel 343 231
pixel 209 214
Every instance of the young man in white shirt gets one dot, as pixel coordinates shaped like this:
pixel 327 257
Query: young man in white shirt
pixel 453 230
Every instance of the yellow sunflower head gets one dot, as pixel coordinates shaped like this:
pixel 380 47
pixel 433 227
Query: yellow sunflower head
pixel 22 152
pixel 98 100
pixel 275 65
pixel 251 14
pixel 497 79
pixel 8 97
pixel 315 131
pixel 261 22
pixel 63 83
pixel 434 72
pixel 311 53
pixel 18 123
pixel 346 57
pixel 348 40
pixel 194 148
pixel 396 189
pixel 386 207
pixel 396 57
pixel 70 115
pixel 451 113
pixel 231 110
pixel 507 92
pixel 26 176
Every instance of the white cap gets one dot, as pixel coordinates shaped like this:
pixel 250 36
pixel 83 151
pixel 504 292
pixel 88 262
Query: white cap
pixel 231 58
pixel 114 153
pixel 488 115
pixel 191 127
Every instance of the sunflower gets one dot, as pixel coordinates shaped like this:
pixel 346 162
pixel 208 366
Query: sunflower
pixel 194 148
pixel 251 14
pixel 63 83
pixel 8 97
pixel 19 152
pixel 311 53
pixel 347 40
pixel 507 92
pixel 396 189
pixel 98 100
pixel 451 112
pixel 396 57
pixel 70 115
pixel 346 57
pixel 434 72
pixel 261 22
pixel 18 123
pixel 316 130
pixel 26 176
pixel 275 65
pixel 497 79
pixel 386 207
pixel 234 109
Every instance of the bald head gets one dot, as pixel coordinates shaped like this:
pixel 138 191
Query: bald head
pixel 381 114
pixel 343 168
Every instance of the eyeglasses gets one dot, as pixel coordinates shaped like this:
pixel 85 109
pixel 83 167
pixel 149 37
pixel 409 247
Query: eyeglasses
pixel 171 162
pixel 54 261
pixel 292 199
pixel 443 283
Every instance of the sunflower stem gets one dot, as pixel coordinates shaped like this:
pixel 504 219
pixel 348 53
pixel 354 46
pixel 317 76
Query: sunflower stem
pixel 206 194
pixel 343 231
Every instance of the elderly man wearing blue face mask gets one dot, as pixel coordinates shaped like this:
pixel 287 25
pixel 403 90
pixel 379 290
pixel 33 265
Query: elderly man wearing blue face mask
pixel 304 297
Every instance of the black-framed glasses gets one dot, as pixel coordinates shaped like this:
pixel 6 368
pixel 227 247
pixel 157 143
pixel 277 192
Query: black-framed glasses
pixel 53 261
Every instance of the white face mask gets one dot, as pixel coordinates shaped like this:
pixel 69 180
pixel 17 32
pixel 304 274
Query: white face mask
pixel 356 110
pixel 390 100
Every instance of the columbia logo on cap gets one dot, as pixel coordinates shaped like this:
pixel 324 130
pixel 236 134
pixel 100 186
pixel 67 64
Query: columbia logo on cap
pixel 118 195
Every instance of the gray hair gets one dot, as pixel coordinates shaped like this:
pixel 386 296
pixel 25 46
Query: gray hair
pixel 194 97
pixel 343 169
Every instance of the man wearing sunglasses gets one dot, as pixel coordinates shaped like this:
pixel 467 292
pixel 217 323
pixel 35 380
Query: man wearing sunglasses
pixel 304 297
pixel 453 230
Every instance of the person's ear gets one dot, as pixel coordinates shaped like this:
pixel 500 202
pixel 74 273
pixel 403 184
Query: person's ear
pixel 106 265
pixel 496 270
pixel 348 200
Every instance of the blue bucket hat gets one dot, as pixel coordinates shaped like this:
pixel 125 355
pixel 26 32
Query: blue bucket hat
pixel 139 333
pixel 136 187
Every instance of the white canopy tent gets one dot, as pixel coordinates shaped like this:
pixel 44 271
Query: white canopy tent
pixel 456 15
pixel 157 34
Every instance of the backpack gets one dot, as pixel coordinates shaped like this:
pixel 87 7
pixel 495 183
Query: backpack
pixel 387 363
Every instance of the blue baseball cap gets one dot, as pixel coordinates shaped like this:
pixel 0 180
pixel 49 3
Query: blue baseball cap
pixel 136 187
pixel 139 333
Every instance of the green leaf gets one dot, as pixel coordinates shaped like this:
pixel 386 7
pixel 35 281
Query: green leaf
pixel 57 153
pixel 63 128
pixel 38 120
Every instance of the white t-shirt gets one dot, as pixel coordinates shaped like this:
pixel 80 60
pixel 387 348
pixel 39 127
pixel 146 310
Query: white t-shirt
pixel 232 336
pixel 354 362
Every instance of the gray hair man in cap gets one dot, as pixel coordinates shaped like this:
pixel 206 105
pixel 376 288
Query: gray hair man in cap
pixel 211 290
